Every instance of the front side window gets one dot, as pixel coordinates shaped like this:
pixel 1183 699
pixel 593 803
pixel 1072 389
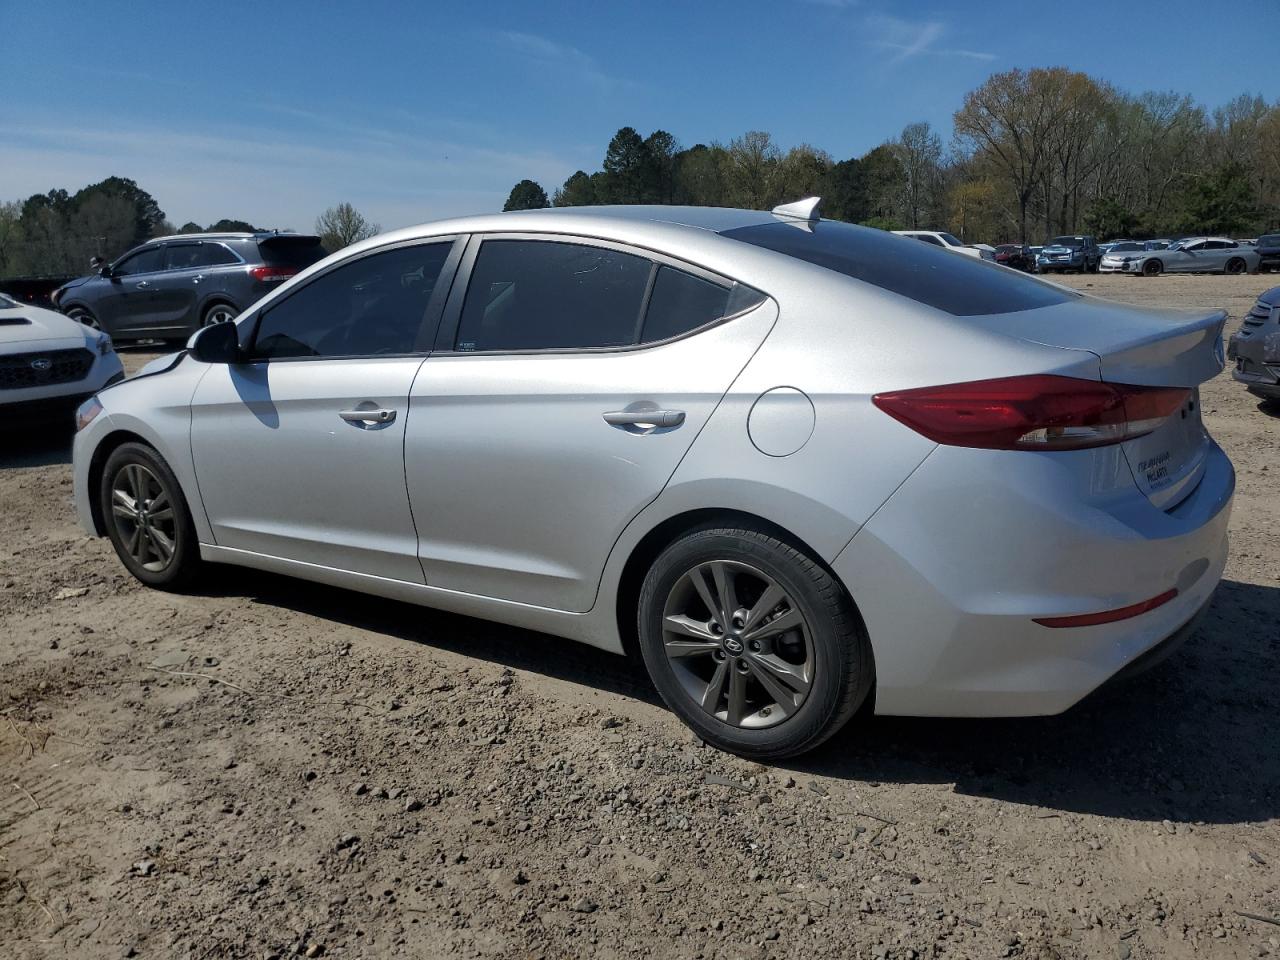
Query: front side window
pixel 372 306
pixel 149 260
pixel 1220 244
pixel 549 295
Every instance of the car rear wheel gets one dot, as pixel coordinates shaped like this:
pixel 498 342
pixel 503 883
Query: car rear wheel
pixel 1152 268
pixel 753 644
pixel 218 313
pixel 1236 266
pixel 82 315
pixel 147 518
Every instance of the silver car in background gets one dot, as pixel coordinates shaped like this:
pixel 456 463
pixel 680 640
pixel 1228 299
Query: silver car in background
pixel 700 433
pixel 1192 255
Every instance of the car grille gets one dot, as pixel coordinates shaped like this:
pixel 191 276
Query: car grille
pixel 1259 315
pixel 44 368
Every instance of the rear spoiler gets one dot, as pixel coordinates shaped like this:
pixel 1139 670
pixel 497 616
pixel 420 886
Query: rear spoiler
pixel 288 240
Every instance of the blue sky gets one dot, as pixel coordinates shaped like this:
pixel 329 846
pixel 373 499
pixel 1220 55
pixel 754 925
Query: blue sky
pixel 271 112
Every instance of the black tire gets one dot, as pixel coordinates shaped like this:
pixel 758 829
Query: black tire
pixel 218 312
pixel 1236 266
pixel 1152 268
pixel 842 670
pixel 84 315
pixel 182 564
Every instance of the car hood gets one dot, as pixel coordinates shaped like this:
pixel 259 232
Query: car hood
pixel 24 323
pixel 1271 297
pixel 1059 249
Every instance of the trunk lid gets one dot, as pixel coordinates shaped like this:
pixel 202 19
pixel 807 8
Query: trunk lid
pixel 1154 348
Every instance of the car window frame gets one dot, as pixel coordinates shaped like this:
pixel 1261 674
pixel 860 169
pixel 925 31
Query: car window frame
pixel 249 326
pixel 446 338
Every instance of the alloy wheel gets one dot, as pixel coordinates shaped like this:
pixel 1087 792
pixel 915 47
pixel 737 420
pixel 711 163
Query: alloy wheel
pixel 738 644
pixel 143 514
pixel 219 313
pixel 85 317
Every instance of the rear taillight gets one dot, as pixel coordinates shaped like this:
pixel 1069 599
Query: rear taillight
pixel 272 274
pixel 1041 412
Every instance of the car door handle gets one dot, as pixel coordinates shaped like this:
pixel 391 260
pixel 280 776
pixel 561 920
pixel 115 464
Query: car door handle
pixel 368 416
pixel 197 278
pixel 143 284
pixel 644 418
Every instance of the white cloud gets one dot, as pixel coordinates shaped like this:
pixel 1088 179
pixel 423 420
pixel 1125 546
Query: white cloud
pixel 560 56
pixel 909 39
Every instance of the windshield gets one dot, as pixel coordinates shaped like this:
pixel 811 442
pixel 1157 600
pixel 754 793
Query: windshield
pixel 1067 242
pixel 1124 247
pixel 1270 240
pixel 961 286
pixel 1178 244
pixel 6 302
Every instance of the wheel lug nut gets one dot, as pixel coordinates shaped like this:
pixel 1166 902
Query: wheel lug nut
pixel 755 646
pixel 716 628
pixel 738 623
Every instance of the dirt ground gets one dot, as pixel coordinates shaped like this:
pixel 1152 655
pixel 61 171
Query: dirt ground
pixel 267 768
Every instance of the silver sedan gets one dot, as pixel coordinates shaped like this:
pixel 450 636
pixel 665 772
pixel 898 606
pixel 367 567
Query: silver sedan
pixel 799 465
pixel 1189 255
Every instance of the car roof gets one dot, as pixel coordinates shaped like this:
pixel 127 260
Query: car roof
pixel 230 235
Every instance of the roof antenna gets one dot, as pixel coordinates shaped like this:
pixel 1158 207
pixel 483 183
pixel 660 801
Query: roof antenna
pixel 806 209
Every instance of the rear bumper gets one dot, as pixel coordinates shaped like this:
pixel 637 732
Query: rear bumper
pixel 951 572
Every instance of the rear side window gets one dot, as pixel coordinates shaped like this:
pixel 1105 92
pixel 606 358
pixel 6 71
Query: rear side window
pixel 1271 240
pixel 372 306
pixel 186 256
pixel 547 295
pixel 681 302
pixel 961 286
pixel 1220 244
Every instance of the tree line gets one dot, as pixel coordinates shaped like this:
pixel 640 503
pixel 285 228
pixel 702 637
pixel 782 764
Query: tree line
pixel 1031 154
pixel 59 232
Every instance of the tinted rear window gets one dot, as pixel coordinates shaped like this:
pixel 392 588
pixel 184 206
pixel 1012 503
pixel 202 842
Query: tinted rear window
pixel 962 286
pixel 1271 240
pixel 292 252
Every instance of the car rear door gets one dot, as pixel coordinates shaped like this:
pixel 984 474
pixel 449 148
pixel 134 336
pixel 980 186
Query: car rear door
pixel 299 450
pixel 176 289
pixel 538 428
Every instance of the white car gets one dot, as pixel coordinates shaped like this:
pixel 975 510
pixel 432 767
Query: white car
pixel 939 238
pixel 49 364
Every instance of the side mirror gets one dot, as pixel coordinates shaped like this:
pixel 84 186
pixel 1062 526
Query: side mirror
pixel 216 343
pixel 104 272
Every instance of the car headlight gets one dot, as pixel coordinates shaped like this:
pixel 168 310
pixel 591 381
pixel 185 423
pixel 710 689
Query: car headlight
pixel 87 412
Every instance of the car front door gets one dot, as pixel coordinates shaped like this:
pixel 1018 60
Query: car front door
pixel 1186 259
pixel 299 450
pixel 570 378
pixel 123 306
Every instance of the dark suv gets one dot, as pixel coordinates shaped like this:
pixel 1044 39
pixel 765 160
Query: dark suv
pixel 1268 248
pixel 171 286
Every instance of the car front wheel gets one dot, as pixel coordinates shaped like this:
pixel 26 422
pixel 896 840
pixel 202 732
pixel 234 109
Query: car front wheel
pixel 752 643
pixel 147 518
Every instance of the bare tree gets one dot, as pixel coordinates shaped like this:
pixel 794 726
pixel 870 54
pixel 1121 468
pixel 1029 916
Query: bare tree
pixel 751 169
pixel 342 226
pixel 1011 117
pixel 920 152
